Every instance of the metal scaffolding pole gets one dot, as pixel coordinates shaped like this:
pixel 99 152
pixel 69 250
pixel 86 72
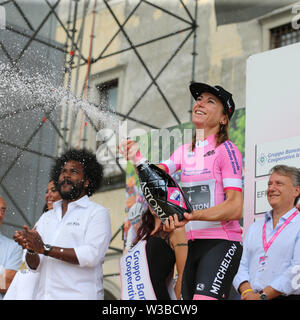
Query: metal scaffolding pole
pixel 142 62
pixel 194 54
pixel 72 50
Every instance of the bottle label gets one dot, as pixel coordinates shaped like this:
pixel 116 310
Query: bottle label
pixel 175 196
pixel 153 203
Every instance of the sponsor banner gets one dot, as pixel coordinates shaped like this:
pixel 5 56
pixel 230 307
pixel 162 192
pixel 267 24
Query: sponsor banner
pixel 285 151
pixel 261 202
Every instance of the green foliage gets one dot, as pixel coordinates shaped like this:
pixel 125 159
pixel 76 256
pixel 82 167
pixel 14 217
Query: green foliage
pixel 237 130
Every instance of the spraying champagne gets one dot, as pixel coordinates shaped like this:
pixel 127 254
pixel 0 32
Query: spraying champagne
pixel 162 192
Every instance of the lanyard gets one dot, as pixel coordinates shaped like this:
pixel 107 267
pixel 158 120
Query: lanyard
pixel 266 244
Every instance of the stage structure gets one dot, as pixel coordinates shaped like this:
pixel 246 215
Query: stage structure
pixel 33 134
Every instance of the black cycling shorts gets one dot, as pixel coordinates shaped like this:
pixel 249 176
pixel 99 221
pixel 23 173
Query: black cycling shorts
pixel 210 268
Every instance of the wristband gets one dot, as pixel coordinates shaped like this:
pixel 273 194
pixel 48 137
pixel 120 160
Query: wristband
pixel 245 291
pixel 138 157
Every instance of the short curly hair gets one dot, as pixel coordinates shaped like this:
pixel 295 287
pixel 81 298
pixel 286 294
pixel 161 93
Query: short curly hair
pixel 93 170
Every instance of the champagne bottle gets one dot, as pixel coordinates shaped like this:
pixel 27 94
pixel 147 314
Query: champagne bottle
pixel 162 192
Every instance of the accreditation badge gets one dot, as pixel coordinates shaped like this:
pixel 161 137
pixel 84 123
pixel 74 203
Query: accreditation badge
pixel 262 263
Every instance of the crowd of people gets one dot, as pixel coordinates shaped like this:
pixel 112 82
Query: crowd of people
pixel 205 253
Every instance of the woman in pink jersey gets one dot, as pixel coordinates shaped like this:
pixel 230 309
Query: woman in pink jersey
pixel 211 177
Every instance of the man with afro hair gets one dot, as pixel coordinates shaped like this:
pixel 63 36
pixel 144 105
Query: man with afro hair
pixel 70 241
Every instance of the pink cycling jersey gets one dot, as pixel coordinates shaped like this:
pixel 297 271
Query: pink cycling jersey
pixel 206 173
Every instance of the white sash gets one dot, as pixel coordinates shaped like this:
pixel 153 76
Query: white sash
pixel 23 286
pixel 135 278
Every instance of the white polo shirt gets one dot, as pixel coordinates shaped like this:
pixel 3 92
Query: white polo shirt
pixel 86 228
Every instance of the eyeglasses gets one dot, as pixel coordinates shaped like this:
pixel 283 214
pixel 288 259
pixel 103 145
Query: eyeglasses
pixel 3 209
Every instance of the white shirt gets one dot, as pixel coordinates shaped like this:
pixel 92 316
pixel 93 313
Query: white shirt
pixel 280 268
pixel 86 228
pixel 10 257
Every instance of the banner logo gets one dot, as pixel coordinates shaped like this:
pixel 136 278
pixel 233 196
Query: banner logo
pixel 262 159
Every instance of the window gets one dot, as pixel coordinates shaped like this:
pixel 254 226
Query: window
pixel 277 29
pixel 284 35
pixel 108 92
